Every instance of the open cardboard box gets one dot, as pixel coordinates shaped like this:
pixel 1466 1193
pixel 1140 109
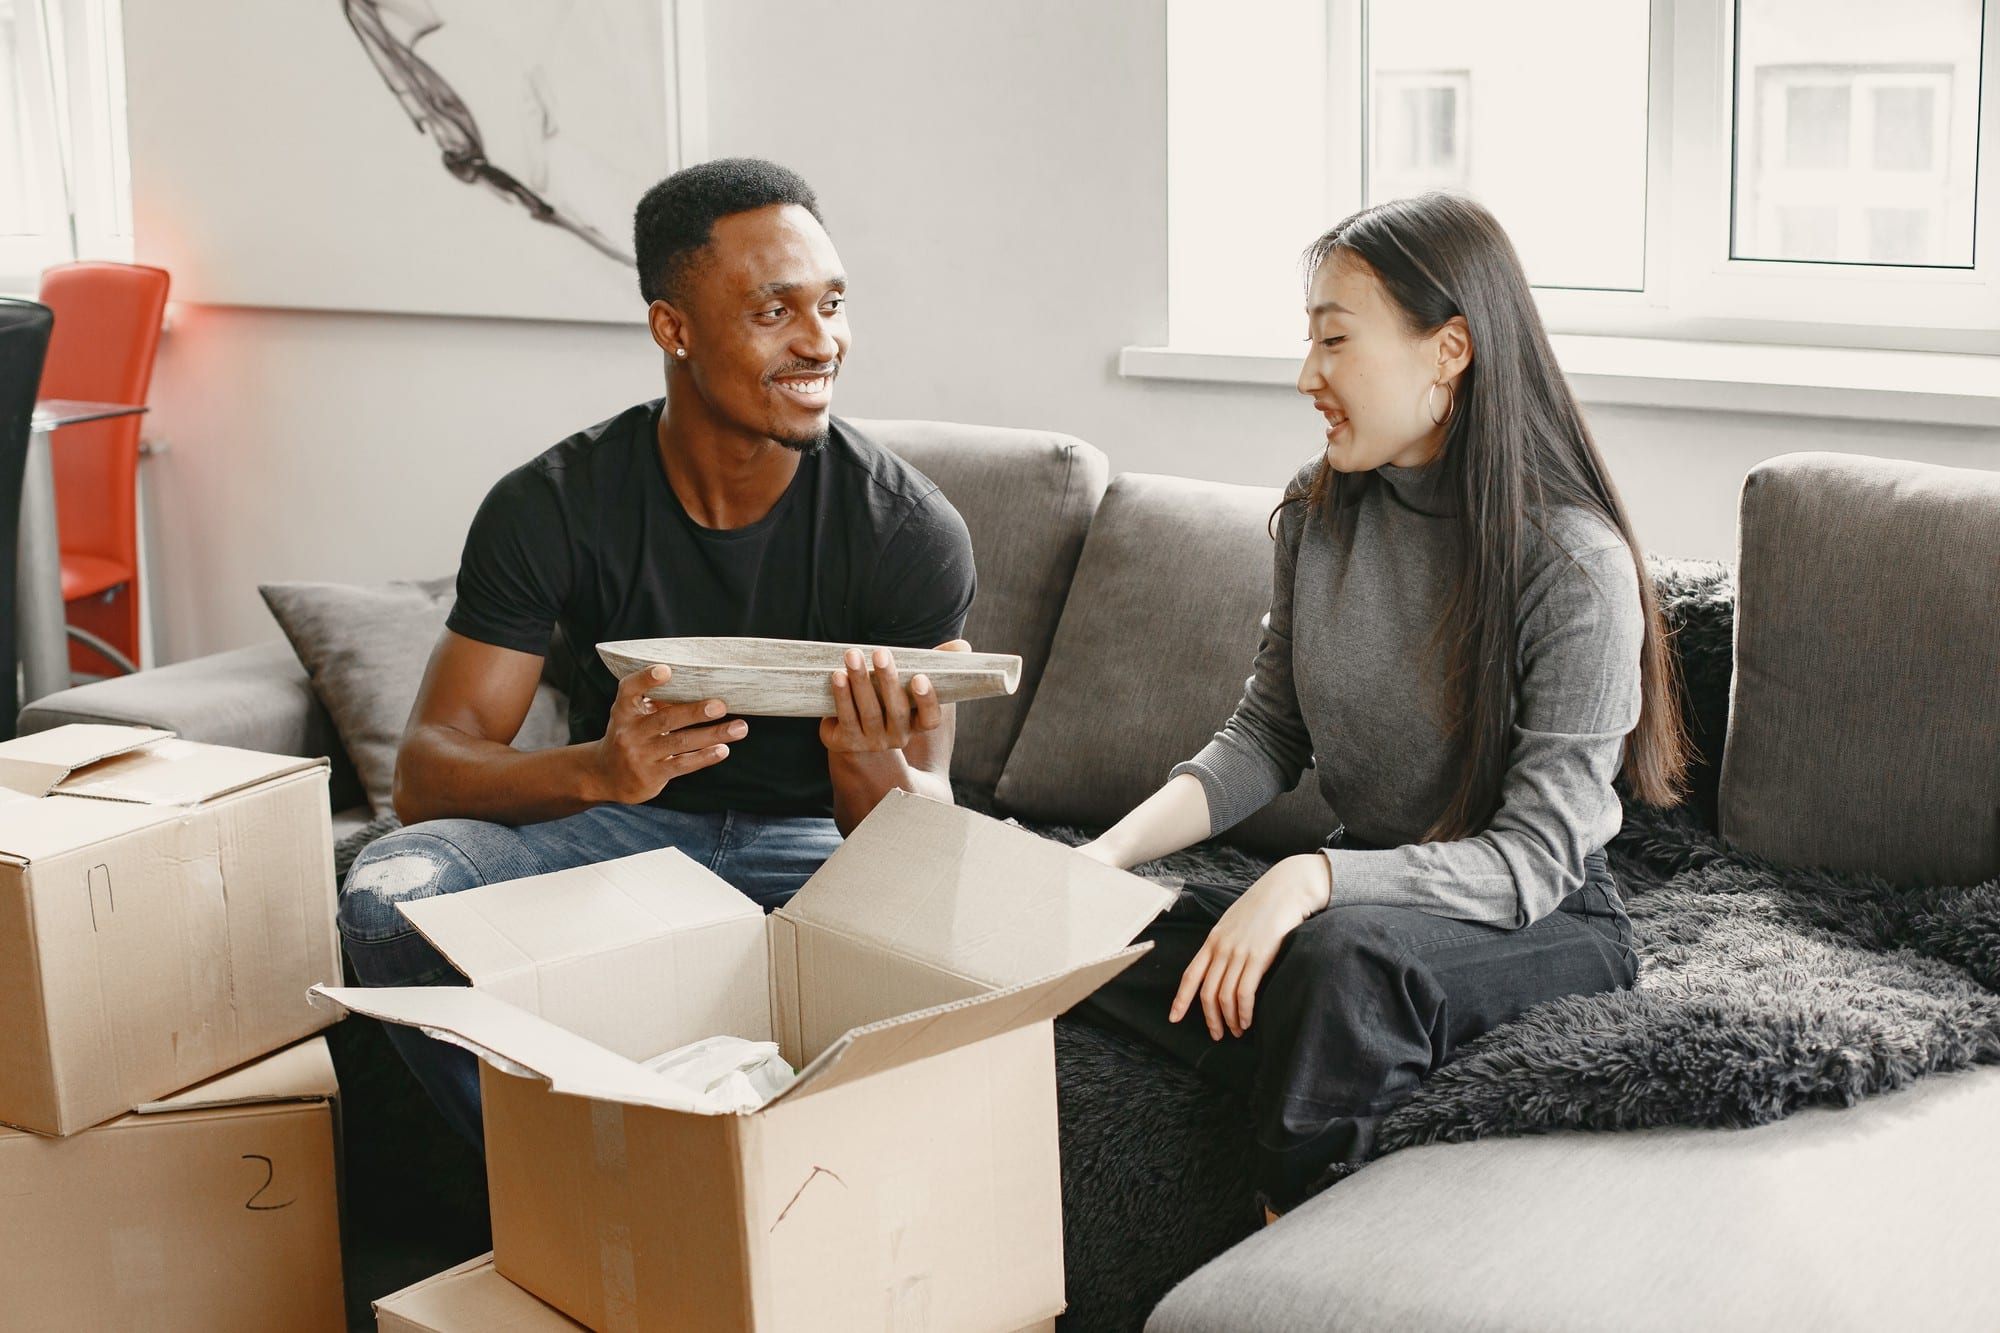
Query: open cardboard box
pixel 472 1297
pixel 213 1209
pixel 908 1179
pixel 164 907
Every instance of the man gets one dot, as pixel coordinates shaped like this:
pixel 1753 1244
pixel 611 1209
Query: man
pixel 734 506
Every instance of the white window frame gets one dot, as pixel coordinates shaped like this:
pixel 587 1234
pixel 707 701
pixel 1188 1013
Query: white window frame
pixel 1707 293
pixel 44 237
pixel 1704 317
pixel 1695 289
pixel 73 73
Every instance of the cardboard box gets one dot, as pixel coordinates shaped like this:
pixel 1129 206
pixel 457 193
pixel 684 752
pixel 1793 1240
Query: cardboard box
pixel 215 1209
pixel 474 1298
pixel 908 1179
pixel 471 1298
pixel 164 908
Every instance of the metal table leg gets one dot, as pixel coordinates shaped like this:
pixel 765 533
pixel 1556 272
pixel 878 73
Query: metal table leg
pixel 38 604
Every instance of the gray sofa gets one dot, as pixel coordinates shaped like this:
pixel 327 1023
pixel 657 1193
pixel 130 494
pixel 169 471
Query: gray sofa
pixel 1868 642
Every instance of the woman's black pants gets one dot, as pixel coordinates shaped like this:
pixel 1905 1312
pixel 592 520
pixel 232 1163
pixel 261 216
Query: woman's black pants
pixel 1360 1004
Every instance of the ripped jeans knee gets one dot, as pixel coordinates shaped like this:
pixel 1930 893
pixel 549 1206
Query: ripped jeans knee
pixel 405 866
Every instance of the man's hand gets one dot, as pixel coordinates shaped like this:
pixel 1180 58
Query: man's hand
pixel 1239 950
pixel 646 745
pixel 873 713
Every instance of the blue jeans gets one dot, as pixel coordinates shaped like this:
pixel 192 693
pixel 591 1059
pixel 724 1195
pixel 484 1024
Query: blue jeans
pixel 767 858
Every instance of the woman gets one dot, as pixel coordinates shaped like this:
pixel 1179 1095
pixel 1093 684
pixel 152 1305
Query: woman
pixel 1460 642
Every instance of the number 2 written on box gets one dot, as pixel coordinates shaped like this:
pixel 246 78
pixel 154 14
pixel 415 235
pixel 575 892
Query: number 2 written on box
pixel 257 1202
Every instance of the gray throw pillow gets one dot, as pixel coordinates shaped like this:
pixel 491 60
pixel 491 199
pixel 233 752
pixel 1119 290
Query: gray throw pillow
pixel 1027 498
pixel 1161 623
pixel 364 649
pixel 1864 731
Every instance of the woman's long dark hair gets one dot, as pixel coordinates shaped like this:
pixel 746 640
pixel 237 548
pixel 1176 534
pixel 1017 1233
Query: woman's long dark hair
pixel 1515 450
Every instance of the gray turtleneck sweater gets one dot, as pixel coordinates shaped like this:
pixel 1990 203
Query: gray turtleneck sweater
pixel 1344 682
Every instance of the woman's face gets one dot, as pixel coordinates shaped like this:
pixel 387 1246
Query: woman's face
pixel 1370 379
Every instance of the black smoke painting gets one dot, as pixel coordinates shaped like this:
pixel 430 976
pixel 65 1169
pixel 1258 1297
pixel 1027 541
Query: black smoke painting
pixel 442 157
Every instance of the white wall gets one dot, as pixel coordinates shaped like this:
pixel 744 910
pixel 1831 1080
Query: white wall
pixel 995 178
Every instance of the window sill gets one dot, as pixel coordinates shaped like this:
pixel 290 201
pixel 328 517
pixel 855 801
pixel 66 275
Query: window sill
pixel 1929 388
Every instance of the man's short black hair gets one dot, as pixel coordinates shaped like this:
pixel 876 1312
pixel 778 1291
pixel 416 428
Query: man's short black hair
pixel 677 217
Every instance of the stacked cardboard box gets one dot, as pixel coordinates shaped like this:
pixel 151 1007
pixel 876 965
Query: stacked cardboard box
pixel 908 1178
pixel 164 909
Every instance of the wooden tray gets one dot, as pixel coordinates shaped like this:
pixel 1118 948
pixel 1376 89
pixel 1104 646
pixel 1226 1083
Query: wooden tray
pixel 789 677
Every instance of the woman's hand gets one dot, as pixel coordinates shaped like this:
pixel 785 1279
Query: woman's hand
pixel 1239 950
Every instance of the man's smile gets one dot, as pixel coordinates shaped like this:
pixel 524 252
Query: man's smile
pixel 814 391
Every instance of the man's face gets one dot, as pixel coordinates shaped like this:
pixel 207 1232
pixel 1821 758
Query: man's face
pixel 766 324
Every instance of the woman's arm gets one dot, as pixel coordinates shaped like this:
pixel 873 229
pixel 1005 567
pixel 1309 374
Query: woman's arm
pixel 1173 817
pixel 1582 628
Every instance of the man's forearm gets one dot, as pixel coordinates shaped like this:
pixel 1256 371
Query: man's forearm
pixel 442 773
pixel 861 780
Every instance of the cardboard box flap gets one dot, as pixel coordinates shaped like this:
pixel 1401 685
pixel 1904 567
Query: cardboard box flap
pixel 900 1041
pixel 470 1296
pixel 511 1040
pixel 643 953
pixel 35 830
pixel 33 765
pixel 177 772
pixel 503 929
pixel 301 1073
pixel 969 894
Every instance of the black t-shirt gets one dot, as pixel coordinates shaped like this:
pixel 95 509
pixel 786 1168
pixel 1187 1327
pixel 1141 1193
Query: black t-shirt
pixel 588 542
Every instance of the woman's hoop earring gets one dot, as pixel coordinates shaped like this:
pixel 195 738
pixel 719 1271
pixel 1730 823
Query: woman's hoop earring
pixel 1430 402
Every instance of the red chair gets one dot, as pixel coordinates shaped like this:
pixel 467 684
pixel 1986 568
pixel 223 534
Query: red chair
pixel 107 329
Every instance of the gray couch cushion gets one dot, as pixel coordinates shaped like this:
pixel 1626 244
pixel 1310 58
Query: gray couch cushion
pixel 1864 730
pixel 365 649
pixel 1027 497
pixel 255 698
pixel 1873 1217
pixel 1150 657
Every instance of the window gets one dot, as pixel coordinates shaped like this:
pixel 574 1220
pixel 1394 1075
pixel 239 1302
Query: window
pixel 1420 124
pixel 65 183
pixel 1848 164
pixel 1761 170
pixel 1504 128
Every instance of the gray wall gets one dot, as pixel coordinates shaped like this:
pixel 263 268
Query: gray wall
pixel 995 178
